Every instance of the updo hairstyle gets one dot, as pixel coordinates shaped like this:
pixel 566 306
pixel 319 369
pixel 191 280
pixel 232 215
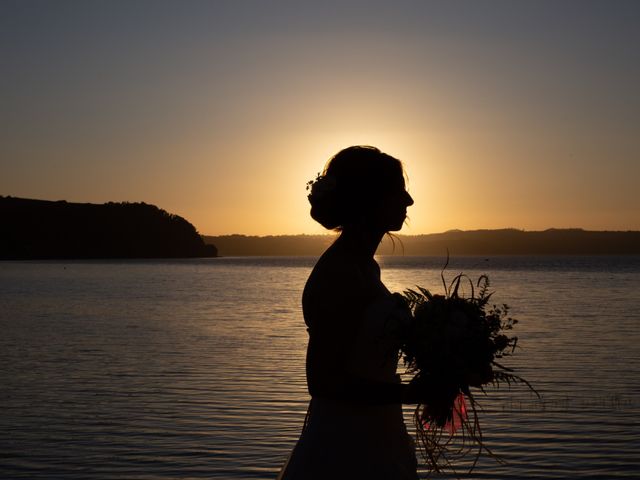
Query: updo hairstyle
pixel 352 186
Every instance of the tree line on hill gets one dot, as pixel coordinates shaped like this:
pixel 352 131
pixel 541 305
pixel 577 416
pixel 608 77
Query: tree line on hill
pixel 41 229
pixel 456 242
pixel 44 229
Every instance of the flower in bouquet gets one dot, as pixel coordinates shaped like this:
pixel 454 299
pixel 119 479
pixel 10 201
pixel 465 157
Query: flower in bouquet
pixel 454 345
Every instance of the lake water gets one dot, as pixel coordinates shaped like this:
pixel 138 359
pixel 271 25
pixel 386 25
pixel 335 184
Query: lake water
pixel 195 368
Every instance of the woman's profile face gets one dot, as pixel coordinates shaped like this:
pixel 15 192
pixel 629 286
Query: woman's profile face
pixel 393 207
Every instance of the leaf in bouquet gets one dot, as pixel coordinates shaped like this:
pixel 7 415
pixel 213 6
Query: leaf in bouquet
pixel 455 286
pixel 502 367
pixel 426 293
pixel 501 342
pixel 455 283
pixel 444 282
pixel 483 285
pixel 413 297
pixel 509 378
pixel 483 299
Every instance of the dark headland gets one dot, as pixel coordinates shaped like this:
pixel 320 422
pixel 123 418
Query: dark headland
pixel 41 229
pixel 457 242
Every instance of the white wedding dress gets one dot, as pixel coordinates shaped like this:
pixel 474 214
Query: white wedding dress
pixel 356 441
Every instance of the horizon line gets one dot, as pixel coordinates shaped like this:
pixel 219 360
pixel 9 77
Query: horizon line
pixel 454 230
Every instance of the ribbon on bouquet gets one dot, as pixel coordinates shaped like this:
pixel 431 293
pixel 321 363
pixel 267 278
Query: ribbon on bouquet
pixel 459 414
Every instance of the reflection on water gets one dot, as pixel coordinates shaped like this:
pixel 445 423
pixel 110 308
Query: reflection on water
pixel 195 368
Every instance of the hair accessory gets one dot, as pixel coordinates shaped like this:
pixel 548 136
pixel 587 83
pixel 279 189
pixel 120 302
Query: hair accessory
pixel 321 186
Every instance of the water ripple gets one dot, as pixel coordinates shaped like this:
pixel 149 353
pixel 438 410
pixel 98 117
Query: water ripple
pixel 195 368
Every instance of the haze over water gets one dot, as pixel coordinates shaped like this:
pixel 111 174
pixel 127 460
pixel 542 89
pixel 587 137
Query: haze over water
pixel 195 368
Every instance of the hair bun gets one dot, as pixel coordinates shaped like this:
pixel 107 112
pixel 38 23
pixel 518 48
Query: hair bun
pixel 324 201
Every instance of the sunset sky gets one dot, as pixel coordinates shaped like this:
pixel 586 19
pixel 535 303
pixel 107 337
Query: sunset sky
pixel 505 113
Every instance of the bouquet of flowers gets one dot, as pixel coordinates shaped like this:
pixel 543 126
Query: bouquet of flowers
pixel 454 344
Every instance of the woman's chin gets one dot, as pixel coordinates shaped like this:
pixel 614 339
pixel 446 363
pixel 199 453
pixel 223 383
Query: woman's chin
pixel 396 227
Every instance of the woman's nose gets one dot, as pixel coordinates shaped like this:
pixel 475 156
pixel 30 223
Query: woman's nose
pixel 408 199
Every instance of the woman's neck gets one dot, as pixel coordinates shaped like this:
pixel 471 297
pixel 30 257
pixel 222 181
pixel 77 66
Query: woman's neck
pixel 360 242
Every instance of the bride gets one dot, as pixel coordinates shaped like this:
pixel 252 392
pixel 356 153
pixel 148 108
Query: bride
pixel 354 427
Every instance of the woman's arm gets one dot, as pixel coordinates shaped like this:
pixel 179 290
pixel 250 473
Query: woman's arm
pixel 334 304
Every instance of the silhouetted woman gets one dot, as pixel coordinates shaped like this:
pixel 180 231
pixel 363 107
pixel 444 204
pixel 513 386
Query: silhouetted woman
pixel 354 428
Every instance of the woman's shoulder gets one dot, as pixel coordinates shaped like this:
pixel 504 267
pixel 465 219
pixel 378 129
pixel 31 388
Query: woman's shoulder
pixel 335 273
pixel 335 293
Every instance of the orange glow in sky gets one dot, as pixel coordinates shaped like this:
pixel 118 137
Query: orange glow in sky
pixel 505 115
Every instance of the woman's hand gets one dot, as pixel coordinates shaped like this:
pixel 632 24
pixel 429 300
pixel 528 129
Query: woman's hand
pixel 413 392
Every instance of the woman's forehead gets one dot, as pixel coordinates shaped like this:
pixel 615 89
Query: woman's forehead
pixel 397 182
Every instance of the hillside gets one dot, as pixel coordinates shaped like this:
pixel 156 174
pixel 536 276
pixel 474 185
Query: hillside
pixel 477 242
pixel 44 229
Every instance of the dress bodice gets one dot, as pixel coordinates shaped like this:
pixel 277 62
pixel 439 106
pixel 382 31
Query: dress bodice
pixel 375 355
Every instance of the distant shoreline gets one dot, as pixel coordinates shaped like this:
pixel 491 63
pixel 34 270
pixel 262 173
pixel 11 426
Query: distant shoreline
pixel 474 242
